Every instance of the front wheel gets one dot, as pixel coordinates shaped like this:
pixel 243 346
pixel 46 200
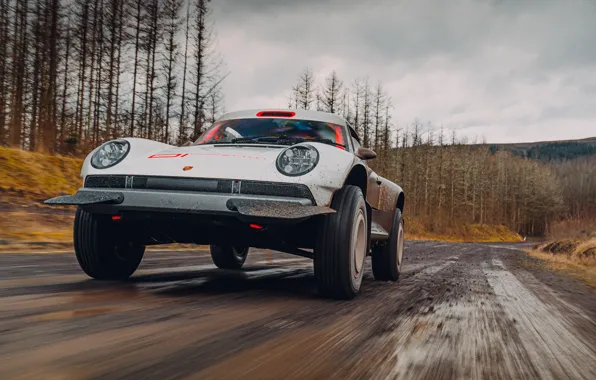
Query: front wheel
pixel 228 256
pixel 103 251
pixel 342 245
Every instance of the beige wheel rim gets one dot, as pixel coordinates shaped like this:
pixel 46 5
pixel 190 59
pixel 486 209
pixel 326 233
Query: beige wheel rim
pixel 359 239
pixel 400 244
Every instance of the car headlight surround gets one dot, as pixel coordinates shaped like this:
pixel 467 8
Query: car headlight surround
pixel 297 160
pixel 110 154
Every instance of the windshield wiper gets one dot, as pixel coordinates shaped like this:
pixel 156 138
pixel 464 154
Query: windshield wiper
pixel 273 139
pixel 285 139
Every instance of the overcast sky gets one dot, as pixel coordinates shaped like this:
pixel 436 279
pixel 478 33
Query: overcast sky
pixel 508 70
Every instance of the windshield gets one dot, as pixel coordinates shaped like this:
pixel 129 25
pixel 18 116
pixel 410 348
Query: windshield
pixel 229 130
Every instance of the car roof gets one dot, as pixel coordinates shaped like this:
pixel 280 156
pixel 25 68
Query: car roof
pixel 299 114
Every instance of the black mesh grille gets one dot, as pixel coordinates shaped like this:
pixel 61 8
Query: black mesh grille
pixel 279 189
pixel 207 185
pixel 110 182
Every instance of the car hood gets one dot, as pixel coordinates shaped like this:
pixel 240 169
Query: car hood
pixel 256 162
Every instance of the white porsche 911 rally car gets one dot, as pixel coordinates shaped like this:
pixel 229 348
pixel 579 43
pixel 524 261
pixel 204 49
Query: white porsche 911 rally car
pixel 288 180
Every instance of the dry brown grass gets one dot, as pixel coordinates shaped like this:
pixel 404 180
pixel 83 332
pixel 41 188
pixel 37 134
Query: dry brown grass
pixel 32 226
pixel 26 176
pixel 576 257
pixel 479 233
pixel 26 180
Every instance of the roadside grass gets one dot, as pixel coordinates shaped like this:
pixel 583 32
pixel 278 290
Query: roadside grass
pixel 26 176
pixel 30 229
pixel 477 233
pixel 576 257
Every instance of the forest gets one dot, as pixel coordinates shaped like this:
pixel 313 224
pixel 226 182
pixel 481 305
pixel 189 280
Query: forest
pixel 451 182
pixel 75 73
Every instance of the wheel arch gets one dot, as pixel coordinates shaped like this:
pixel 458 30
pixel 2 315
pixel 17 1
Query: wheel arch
pixel 358 176
pixel 401 200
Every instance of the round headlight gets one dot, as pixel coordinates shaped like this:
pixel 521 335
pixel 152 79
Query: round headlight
pixel 297 160
pixel 109 154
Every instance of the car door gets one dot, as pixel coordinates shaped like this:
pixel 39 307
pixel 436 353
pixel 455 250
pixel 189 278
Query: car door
pixel 372 187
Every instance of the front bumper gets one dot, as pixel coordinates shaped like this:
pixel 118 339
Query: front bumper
pixel 115 201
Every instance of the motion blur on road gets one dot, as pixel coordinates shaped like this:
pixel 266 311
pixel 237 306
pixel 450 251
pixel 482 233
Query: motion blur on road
pixel 459 311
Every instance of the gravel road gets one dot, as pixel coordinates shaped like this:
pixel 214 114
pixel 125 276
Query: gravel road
pixel 459 311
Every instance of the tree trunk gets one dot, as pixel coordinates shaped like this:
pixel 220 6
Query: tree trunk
pixel 136 66
pixel 117 131
pixel 84 24
pixel 4 36
pixel 65 86
pixel 113 35
pixel 90 110
pixel 152 71
pixel 182 127
pixel 200 66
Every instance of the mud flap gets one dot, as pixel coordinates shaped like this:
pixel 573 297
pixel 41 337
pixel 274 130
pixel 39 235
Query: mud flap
pixel 87 198
pixel 275 210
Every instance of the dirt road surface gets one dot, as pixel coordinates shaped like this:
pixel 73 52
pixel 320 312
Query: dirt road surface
pixel 459 311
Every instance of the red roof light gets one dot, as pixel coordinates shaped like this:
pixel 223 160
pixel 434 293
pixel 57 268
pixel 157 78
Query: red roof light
pixel 276 114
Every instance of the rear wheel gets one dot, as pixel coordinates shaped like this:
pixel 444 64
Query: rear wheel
pixel 228 256
pixel 387 259
pixel 342 244
pixel 103 251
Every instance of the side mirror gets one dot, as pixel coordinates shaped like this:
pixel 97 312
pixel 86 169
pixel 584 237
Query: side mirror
pixel 365 154
pixel 188 143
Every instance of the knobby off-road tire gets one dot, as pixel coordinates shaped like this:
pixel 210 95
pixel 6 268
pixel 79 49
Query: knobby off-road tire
pixel 387 259
pixel 342 245
pixel 228 256
pixel 102 249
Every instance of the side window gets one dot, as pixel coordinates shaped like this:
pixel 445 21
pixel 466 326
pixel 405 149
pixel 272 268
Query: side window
pixel 355 143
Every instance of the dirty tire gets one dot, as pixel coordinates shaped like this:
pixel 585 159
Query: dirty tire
pixel 228 256
pixel 388 258
pixel 100 252
pixel 342 244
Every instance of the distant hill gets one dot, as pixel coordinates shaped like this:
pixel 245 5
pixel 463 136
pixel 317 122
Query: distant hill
pixel 551 150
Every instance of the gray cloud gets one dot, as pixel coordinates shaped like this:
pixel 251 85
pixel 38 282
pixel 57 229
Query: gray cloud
pixel 508 69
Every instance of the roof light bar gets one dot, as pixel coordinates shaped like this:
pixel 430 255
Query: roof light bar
pixel 276 114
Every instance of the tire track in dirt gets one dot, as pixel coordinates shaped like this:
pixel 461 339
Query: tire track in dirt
pixel 458 311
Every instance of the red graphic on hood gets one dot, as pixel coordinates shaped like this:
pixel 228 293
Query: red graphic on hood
pixel 169 155
pixel 182 155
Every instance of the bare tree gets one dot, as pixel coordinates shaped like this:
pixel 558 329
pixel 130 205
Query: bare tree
pixel 138 14
pixel 172 25
pixel 304 91
pixel 332 93
pixel 19 53
pixel 154 33
pixel 202 41
pixel 379 106
pixel 4 62
pixel 357 88
pixel 366 113
pixel 182 132
pixel 113 35
pixel 65 85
